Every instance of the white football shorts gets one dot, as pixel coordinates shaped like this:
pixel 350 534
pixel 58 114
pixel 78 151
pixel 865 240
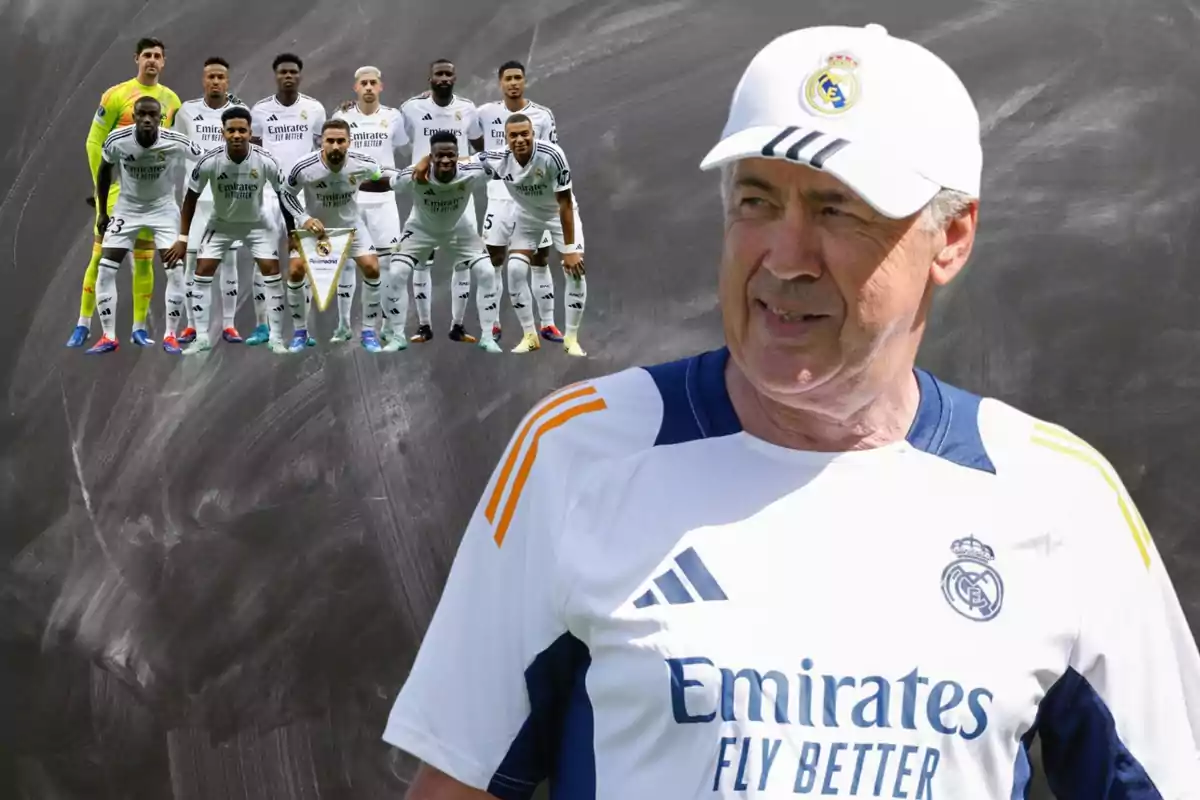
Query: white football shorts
pixel 128 221
pixel 499 220
pixel 382 222
pixel 462 242
pixel 204 209
pixel 218 238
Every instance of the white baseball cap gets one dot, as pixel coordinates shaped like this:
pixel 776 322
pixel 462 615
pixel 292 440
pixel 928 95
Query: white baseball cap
pixel 881 114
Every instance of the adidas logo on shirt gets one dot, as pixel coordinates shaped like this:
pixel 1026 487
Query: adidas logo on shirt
pixel 273 118
pixel 427 116
pixel 429 191
pixel 198 118
pixel 705 588
pixel 496 121
pixel 222 177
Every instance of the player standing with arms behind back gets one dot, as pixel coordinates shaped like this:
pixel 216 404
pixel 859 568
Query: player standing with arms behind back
pixel 200 120
pixel 149 158
pixel 661 591
pixel 116 110
pixel 441 110
pixel 288 125
pixel 492 118
pixel 377 131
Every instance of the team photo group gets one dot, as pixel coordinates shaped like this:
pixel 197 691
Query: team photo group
pixel 191 184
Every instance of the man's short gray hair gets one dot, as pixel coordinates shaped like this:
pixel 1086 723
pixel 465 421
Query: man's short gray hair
pixel 946 205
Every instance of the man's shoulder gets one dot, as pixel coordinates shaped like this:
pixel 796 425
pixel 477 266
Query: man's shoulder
pixel 192 105
pixel 311 102
pixel 263 154
pixel 621 414
pixel 118 135
pixel 308 165
pixel 263 103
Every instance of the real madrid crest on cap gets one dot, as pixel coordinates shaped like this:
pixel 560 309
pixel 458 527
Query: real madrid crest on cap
pixel 833 88
pixel 969 583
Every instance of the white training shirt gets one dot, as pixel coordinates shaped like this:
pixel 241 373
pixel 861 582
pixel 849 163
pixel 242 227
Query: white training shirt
pixel 423 117
pixel 377 135
pixel 148 176
pixel 237 188
pixel 437 206
pixel 288 132
pixel 330 196
pixel 492 118
pixel 201 123
pixel 532 187
pixel 649 602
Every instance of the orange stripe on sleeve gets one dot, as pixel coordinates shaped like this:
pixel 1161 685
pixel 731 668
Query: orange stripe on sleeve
pixel 552 402
pixel 558 419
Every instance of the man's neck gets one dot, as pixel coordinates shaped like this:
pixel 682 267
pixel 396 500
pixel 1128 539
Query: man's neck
pixel 442 101
pixel 236 159
pixel 879 418
pixel 515 104
pixel 146 139
pixel 448 178
pixel 287 98
pixel 148 81
pixel 525 160
pixel 215 101
pixel 367 108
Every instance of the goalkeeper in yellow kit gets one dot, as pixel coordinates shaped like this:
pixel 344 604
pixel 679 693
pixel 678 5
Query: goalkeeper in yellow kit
pixel 116 110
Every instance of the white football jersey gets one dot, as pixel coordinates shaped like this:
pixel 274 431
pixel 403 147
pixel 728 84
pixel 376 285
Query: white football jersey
pixel 148 175
pixel 533 186
pixel 237 188
pixel 201 123
pixel 330 196
pixel 423 117
pixel 438 206
pixel 288 132
pixel 376 135
pixel 650 602
pixel 492 118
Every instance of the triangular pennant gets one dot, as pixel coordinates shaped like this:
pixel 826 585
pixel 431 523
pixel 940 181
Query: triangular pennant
pixel 324 256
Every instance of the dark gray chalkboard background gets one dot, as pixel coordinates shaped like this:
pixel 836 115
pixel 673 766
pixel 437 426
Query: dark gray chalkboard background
pixel 215 571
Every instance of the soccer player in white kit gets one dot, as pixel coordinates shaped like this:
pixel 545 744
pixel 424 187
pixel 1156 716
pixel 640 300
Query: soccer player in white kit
pixel 238 173
pixel 799 565
pixel 330 180
pixel 148 157
pixel 200 120
pixel 441 110
pixel 441 187
pixel 538 178
pixel 492 118
pixel 376 130
pixel 288 124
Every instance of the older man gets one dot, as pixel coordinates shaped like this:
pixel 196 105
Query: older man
pixel 799 564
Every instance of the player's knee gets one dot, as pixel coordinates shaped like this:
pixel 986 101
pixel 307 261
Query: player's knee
pixel 370 269
pixel 113 254
pixel 296 271
pixel 207 267
pixel 268 267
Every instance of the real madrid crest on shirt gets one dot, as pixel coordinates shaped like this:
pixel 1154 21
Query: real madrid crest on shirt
pixel 969 583
pixel 833 88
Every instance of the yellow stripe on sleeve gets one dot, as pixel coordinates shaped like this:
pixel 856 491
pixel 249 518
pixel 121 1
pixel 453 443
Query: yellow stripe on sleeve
pixel 1062 441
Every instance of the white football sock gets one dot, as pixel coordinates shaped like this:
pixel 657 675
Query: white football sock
pixel 422 288
pixel 543 293
pixel 487 299
pixel 297 299
pixel 518 291
pixel 106 296
pixel 189 282
pixel 576 302
pixel 460 291
pixel 399 274
pixel 261 307
pixel 176 297
pixel 273 304
pixel 347 282
pixel 201 299
pixel 370 303
pixel 229 289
